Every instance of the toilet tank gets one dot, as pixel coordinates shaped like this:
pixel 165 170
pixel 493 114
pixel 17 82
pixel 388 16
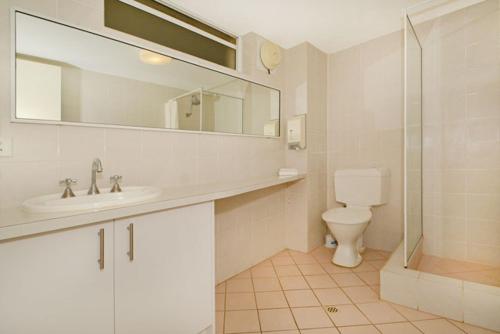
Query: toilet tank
pixel 362 187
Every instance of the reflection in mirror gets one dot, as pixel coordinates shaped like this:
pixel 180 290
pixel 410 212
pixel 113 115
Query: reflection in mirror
pixel 70 75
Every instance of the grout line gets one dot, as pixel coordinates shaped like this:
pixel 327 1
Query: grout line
pixel 255 299
pixel 455 325
pixel 284 295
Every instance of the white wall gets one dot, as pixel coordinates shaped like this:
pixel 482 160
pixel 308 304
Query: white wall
pixel 306 82
pixel 39 90
pixel 365 126
pixel 461 71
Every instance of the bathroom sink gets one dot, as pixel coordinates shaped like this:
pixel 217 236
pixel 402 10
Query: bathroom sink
pixel 82 201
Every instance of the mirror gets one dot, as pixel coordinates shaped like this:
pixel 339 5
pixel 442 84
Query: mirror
pixel 65 74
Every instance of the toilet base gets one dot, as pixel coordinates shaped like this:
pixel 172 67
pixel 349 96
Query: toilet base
pixel 347 256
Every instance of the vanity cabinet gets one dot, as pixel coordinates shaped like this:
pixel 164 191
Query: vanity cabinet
pixel 164 271
pixel 54 284
pixel 155 275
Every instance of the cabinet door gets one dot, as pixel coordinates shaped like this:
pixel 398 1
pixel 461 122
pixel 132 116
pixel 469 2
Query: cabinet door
pixel 53 283
pixel 168 286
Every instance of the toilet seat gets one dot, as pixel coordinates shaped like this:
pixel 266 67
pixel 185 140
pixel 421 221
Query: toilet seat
pixel 348 216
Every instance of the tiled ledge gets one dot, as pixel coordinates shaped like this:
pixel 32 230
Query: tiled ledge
pixel 472 303
pixel 17 223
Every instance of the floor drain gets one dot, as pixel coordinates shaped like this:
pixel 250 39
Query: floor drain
pixel 332 309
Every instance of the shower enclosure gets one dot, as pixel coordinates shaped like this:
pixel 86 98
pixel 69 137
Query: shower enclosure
pixel 452 139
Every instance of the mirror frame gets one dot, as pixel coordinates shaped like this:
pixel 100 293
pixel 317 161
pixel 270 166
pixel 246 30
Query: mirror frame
pixel 137 42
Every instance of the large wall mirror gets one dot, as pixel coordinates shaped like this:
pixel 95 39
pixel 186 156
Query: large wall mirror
pixel 64 74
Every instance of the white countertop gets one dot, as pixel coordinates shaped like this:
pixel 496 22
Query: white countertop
pixel 16 222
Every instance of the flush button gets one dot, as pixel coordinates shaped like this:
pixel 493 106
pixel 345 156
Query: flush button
pixel 5 147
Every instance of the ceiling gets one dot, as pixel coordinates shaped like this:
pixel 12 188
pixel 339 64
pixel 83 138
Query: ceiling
pixel 330 25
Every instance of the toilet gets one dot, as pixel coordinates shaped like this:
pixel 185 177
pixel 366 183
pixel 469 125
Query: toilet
pixel 359 190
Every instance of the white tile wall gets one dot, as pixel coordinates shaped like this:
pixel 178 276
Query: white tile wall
pixel 462 134
pixel 306 94
pixel 249 227
pixel 365 125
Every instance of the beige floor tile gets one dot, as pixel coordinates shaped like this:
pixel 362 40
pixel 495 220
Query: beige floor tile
pixel 364 266
pixel 372 254
pixel 240 301
pixel 333 296
pixel 378 264
pixel 241 322
pixel 380 313
pixel 320 281
pixel 370 277
pixel 412 314
pixel 322 250
pixel 301 298
pixel 243 274
pixel 385 254
pixel 239 285
pixel 366 329
pixel 323 258
pixel 469 329
pixel 282 260
pixel 288 270
pixel 219 322
pixel 272 299
pixel 311 317
pixel 261 284
pixel 361 294
pixel 303 259
pixel 293 283
pixel 376 289
pixel 398 328
pixel 283 252
pixel 220 288
pixel 334 269
pixel 347 279
pixel 311 269
pixel 294 252
pixel 348 315
pixel 265 263
pixel 276 320
pixel 437 326
pixel 285 271
pixel 320 331
pixel 220 301
pixel 263 272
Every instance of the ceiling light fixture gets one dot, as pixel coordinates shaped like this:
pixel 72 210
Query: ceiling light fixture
pixel 153 58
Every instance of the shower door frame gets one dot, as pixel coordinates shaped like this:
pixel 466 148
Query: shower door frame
pixel 409 253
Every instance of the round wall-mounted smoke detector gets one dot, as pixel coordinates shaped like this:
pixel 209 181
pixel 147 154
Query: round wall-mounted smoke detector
pixel 270 55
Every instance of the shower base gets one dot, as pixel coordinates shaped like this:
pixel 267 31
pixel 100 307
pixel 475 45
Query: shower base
pixel 450 293
pixel 466 271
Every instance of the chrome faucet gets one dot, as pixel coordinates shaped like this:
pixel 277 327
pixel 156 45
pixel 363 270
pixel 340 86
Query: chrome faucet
pixel 96 168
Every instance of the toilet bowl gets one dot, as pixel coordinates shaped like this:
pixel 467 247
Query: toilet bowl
pixel 359 190
pixel 347 226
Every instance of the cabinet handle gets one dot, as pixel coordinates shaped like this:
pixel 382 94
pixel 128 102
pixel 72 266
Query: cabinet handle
pixel 101 249
pixel 130 252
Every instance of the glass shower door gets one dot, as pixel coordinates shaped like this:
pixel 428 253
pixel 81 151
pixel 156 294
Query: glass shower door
pixel 413 141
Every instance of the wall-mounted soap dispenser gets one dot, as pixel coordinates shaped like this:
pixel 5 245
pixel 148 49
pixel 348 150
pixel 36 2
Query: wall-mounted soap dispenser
pixel 296 132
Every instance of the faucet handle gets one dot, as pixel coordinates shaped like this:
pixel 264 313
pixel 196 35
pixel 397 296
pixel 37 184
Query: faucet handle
pixel 68 182
pixel 116 178
pixel 115 181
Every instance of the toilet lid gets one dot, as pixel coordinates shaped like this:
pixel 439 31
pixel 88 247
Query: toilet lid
pixel 347 215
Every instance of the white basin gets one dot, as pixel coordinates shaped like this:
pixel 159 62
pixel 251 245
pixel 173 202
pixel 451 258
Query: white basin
pixel 82 201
